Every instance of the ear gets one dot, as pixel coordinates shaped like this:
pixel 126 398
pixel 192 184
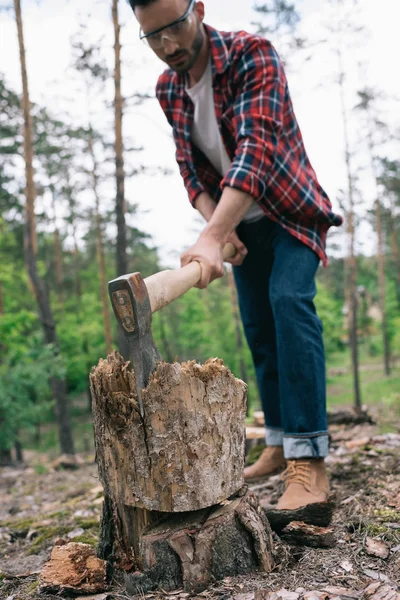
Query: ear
pixel 199 8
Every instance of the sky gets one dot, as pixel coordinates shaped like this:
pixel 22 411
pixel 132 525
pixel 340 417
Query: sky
pixel 164 211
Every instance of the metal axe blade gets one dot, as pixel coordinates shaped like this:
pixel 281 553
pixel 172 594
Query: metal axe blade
pixel 131 305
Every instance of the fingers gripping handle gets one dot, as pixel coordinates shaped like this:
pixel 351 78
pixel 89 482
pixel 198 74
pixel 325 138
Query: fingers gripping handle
pixel 166 286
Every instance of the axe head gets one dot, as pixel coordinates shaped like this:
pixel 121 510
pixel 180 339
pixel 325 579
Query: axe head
pixel 131 305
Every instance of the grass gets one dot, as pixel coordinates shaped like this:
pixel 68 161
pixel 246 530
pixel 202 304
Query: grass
pixel 375 386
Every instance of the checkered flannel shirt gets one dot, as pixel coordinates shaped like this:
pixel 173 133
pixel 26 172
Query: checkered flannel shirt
pixel 260 133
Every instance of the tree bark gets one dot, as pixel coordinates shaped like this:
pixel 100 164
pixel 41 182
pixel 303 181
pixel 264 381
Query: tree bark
pixel 395 252
pixel 351 260
pixel 30 248
pixel 122 260
pixel 100 249
pixel 380 253
pixel 57 253
pixel 167 476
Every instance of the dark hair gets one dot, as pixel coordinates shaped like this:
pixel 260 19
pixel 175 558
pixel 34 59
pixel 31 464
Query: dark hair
pixel 135 3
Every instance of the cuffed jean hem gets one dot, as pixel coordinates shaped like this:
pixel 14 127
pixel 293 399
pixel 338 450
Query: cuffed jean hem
pixel 298 446
pixel 273 437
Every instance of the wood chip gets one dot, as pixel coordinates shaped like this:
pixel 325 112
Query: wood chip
pixel 74 567
pixel 375 547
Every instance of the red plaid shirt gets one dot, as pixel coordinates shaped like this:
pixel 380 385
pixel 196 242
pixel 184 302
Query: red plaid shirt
pixel 260 133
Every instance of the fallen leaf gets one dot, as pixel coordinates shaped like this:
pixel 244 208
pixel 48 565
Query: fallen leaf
pixel 376 548
pixel 286 595
pixel 375 575
pixel 346 566
pixel 357 443
pixel 315 594
pixel 94 597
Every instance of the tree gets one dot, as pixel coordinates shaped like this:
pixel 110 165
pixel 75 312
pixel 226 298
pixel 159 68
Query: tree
pixel 120 207
pixel 367 99
pixel 30 245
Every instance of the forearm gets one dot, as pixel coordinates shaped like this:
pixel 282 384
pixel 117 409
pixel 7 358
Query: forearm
pixel 228 213
pixel 205 205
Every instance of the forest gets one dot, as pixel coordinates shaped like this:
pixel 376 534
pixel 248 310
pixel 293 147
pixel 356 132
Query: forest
pixel 68 226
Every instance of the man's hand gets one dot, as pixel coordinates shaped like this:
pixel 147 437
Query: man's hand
pixel 241 250
pixel 208 252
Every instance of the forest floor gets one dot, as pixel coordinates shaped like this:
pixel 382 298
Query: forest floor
pixel 39 504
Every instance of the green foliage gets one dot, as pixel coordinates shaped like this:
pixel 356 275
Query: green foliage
pixel 25 397
pixel 330 312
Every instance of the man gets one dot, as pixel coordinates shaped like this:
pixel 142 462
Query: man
pixel 244 166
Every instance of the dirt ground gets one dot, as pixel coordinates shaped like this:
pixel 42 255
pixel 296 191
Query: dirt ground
pixel 39 504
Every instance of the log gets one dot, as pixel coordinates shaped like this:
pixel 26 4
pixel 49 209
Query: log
pixel 303 534
pixel 319 514
pixel 185 454
pixel 192 550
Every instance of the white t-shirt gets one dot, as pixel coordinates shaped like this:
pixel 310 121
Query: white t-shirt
pixel 206 135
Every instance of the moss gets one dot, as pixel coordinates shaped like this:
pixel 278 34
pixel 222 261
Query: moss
pixel 45 535
pixel 32 587
pixel 61 514
pixel 41 469
pixel 387 514
pixel 22 525
pixel 376 530
pixel 87 538
pixel 87 523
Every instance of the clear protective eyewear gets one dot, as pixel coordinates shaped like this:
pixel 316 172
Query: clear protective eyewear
pixel 173 32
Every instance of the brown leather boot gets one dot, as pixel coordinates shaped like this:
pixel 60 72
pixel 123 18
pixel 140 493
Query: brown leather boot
pixel 271 461
pixel 306 482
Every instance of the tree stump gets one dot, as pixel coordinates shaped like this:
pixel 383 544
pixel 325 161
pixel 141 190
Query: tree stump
pixel 166 474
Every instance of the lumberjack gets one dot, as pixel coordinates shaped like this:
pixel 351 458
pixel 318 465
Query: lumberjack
pixel 245 168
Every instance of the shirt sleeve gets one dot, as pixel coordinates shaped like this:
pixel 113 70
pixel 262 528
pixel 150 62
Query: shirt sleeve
pixel 257 116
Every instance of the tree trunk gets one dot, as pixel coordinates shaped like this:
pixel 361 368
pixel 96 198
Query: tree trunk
pixel 238 333
pixel 75 251
pixel 122 260
pixel 57 253
pixel 19 456
pixel 166 474
pixel 30 246
pixel 100 250
pixel 382 292
pixel 380 254
pixel 351 260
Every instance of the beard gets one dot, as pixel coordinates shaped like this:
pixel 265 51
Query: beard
pixel 183 60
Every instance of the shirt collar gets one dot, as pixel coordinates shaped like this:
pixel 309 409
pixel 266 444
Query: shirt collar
pixel 218 49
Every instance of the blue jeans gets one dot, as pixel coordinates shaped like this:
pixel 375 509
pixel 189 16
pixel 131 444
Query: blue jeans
pixel 276 290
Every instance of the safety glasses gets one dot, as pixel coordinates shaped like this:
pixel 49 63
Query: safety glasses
pixel 173 32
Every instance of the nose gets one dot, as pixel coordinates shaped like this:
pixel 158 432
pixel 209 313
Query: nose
pixel 169 46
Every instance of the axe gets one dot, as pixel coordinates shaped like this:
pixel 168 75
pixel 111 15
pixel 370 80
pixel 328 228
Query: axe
pixel 135 299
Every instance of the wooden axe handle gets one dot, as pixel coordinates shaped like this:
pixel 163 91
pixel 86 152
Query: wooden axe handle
pixel 166 286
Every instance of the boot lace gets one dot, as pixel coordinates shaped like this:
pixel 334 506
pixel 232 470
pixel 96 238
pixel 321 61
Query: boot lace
pixel 297 472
